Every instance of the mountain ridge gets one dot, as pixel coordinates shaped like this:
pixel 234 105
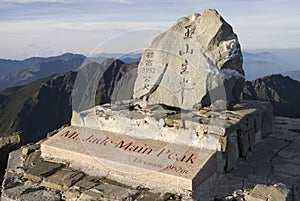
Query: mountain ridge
pixel 281 91
pixel 40 70
pixel 9 65
pixel 257 63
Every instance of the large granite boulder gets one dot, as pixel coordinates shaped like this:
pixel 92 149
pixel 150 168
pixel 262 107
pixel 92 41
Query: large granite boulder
pixel 196 62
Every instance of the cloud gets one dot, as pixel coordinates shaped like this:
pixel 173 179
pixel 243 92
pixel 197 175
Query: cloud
pixel 125 1
pixel 65 1
pixel 79 25
pixel 37 1
pixel 42 37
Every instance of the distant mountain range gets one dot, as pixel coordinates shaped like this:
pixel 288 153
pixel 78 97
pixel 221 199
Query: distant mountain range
pixel 39 70
pixel 7 66
pixel 17 73
pixel 256 64
pixel 261 63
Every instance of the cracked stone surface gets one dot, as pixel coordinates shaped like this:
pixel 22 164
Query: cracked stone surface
pixel 271 168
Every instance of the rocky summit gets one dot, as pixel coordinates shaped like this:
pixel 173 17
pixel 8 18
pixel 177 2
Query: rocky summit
pixel 166 137
pixel 196 62
pixel 174 138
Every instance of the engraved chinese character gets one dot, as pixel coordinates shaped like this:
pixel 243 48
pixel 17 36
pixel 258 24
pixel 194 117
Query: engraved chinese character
pixel 184 67
pixel 148 62
pixel 189 31
pixel 188 50
pixel 146 86
pixel 149 55
pixel 147 78
pixel 184 88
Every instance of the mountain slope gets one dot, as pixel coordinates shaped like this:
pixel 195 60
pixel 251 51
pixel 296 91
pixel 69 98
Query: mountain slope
pixel 46 104
pixel 12 102
pixel 282 92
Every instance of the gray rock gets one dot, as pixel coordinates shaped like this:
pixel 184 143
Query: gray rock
pixel 232 154
pixel 11 180
pixel 28 149
pixel 107 192
pixel 198 60
pixel 15 160
pixel 7 144
pixel 63 179
pixel 22 192
pixel 39 194
pixel 72 195
pixel 87 182
pixel 32 158
pixel 13 193
pixel 271 193
pixel 40 170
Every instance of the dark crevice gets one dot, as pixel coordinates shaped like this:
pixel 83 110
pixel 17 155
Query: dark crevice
pixel 273 157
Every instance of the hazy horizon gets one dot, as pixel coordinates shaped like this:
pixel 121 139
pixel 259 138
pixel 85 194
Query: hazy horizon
pixel 251 51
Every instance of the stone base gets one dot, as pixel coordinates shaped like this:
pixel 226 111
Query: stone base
pixel 163 148
pixel 264 175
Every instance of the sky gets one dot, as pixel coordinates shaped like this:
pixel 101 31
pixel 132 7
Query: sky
pixel 52 27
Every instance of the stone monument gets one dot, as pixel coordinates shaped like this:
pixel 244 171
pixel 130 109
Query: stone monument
pixel 177 132
pixel 196 60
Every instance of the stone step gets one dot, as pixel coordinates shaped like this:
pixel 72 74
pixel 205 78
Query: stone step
pixel 132 161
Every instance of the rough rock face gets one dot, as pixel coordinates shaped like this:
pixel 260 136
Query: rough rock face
pixel 198 60
pixel 282 92
pixel 8 144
